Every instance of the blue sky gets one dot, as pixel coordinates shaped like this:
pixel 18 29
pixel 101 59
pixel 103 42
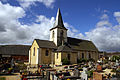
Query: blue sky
pixel 82 14
pixel 95 20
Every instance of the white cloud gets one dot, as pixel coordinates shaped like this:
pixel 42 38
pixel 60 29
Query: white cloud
pixel 73 32
pixel 104 17
pixel 27 3
pixel 9 12
pixel 12 31
pixel 15 32
pixel 9 24
pixel 105 36
pixel 41 30
pixel 103 23
pixel 117 15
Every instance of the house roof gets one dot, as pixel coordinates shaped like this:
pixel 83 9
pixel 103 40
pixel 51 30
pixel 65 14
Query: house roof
pixel 59 22
pixel 79 44
pixel 14 49
pixel 46 44
pixel 113 54
pixel 65 48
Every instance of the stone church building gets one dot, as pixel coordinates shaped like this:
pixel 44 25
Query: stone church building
pixel 61 47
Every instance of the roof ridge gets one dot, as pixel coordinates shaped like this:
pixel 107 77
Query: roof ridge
pixel 80 39
pixel 16 45
pixel 45 43
pixel 43 40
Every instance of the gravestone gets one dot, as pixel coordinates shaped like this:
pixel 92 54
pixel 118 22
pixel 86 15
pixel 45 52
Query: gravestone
pixel 99 68
pixel 97 76
pixel 48 75
pixel 76 72
pixel 55 77
pixel 90 64
pixel 117 64
pixel 84 75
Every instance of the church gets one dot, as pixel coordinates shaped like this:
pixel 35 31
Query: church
pixel 61 47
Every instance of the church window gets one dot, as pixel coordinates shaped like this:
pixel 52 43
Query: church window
pixel 82 55
pixel 57 55
pixel 68 56
pixel 89 55
pixel 46 53
pixel 34 51
pixel 61 37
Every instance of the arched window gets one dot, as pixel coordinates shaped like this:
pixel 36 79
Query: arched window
pixel 34 51
pixel 46 53
pixel 57 55
pixel 89 55
pixel 61 38
pixel 82 55
pixel 68 56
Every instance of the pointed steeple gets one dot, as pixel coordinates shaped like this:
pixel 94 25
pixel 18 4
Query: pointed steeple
pixel 58 22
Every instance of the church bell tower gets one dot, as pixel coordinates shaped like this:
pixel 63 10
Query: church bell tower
pixel 58 34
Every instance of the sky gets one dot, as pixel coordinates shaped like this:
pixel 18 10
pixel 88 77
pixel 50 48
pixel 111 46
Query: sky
pixel 22 21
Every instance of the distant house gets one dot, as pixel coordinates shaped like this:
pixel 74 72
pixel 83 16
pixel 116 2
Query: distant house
pixel 61 47
pixel 108 54
pixel 17 52
pixel 112 54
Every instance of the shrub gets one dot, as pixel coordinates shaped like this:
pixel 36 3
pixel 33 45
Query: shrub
pixel 114 58
pixel 10 69
pixel 113 70
pixel 65 62
pixel 90 73
pixel 91 59
pixel 81 60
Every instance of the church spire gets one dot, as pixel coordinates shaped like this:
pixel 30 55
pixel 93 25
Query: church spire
pixel 58 22
pixel 58 34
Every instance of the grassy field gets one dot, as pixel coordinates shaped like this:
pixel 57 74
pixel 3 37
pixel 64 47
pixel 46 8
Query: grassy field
pixel 2 78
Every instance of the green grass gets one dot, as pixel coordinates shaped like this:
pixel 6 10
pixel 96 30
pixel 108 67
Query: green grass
pixel 2 78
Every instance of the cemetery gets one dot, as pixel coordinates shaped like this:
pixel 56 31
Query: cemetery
pixel 84 70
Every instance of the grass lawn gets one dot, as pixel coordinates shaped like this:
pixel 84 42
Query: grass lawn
pixel 2 78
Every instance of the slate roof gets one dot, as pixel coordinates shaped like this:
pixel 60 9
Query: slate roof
pixel 79 44
pixel 14 49
pixel 46 44
pixel 65 48
pixel 58 22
